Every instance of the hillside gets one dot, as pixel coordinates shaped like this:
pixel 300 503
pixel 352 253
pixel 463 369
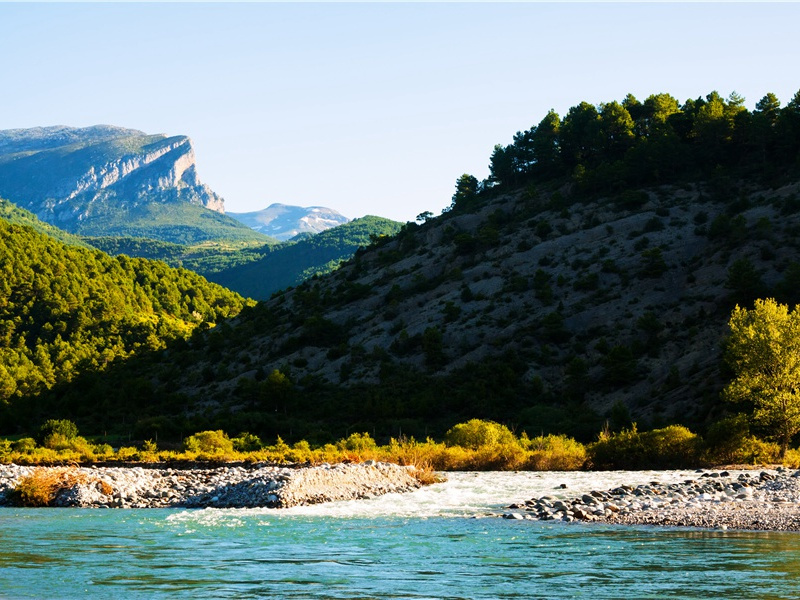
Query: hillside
pixel 283 222
pixel 106 180
pixel 585 282
pixel 66 311
pixel 289 264
pixel 15 215
pixel 259 270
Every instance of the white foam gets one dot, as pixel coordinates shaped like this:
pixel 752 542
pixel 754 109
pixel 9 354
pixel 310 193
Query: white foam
pixel 463 494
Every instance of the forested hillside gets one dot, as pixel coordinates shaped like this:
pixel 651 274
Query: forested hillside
pixel 589 280
pixel 257 271
pixel 66 311
pixel 19 216
pixel 289 264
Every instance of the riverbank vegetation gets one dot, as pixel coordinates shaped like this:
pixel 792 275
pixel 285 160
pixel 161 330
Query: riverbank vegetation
pixel 476 445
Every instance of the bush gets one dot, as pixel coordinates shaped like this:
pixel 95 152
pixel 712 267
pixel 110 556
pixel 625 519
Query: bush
pixel 668 448
pixel 247 442
pixel 476 434
pixel 42 485
pixel 63 428
pixel 24 445
pixel 729 441
pixel 209 442
pixel 553 453
pixel 672 447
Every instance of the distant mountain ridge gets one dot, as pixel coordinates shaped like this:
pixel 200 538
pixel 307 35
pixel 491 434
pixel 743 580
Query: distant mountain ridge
pixel 107 180
pixel 283 221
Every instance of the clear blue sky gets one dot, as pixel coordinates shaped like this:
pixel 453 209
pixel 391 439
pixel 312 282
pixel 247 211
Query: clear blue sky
pixel 370 108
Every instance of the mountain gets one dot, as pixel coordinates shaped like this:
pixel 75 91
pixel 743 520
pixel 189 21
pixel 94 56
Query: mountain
pixel 284 222
pixel 284 265
pixel 106 180
pixel 67 311
pixel 547 311
pixel 587 283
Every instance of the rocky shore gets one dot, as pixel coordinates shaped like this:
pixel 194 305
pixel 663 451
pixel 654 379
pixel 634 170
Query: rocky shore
pixel 766 500
pixel 220 487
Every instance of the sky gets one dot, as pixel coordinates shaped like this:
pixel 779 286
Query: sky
pixel 370 108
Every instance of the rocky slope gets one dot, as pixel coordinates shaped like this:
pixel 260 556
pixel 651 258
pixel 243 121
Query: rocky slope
pixel 542 309
pixel 107 180
pixel 284 222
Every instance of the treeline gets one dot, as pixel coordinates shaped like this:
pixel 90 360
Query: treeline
pixel 67 310
pixel 617 145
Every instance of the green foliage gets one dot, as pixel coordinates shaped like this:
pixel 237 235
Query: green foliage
pixel 278 266
pixel 247 442
pixel 615 145
pixel 729 441
pixel 19 216
pixel 476 433
pixel 210 442
pixel 744 282
pixel 763 351
pixel 24 445
pixel 67 310
pixel 63 428
pixel 466 194
pixel 668 448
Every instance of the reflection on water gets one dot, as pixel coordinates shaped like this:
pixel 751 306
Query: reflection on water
pixel 379 554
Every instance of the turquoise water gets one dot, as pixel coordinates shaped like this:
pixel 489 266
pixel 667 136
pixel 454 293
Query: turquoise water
pixel 379 553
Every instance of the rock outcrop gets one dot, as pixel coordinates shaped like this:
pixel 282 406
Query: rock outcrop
pixel 284 222
pixel 76 178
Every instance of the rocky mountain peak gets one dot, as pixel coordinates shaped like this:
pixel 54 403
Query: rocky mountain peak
pixel 283 221
pixel 69 176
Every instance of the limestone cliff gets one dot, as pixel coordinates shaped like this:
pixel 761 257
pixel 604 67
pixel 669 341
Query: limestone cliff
pixel 96 180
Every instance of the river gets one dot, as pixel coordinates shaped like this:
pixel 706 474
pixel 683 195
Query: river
pixel 427 544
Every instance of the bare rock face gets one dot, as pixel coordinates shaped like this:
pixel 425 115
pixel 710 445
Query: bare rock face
pixel 284 222
pixel 68 176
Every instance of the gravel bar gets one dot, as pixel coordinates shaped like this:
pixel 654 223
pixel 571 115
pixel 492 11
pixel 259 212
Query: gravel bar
pixel 769 500
pixel 220 487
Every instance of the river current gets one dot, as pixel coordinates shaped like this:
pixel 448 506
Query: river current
pixel 428 544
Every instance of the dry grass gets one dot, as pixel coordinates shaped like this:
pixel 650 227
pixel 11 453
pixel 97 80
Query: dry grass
pixel 41 487
pixel 426 475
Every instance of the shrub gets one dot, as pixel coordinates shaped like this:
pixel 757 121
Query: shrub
pixel 729 441
pixel 671 447
pixel 476 433
pixel 553 453
pixel 63 428
pixel 42 485
pixel 617 450
pixel 24 445
pixel 209 442
pixel 247 442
